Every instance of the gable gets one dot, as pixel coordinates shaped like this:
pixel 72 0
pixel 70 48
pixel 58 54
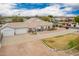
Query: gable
pixel 7 28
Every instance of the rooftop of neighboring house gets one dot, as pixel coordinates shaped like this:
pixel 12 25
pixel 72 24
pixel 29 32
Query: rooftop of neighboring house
pixel 63 17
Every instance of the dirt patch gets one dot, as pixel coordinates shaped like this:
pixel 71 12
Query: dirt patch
pixel 59 42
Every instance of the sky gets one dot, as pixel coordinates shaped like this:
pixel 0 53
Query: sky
pixel 40 9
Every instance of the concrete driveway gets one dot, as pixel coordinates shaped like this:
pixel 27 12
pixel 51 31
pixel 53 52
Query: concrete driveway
pixel 28 44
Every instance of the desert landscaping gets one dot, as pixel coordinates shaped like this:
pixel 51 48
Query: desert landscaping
pixel 29 44
pixel 44 29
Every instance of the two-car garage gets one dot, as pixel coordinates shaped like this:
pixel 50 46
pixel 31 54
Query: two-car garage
pixel 8 31
pixel 21 30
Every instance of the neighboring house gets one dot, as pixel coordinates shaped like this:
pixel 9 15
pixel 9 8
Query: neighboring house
pixel 33 24
pixel 63 20
pixel 8 20
pixel 77 25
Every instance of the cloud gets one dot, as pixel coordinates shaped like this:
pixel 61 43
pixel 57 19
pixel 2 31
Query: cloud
pixel 6 9
pixel 53 9
pixel 67 9
pixel 73 5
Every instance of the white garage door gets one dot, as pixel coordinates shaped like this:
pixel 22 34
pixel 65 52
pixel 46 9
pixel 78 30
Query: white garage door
pixel 21 31
pixel 8 33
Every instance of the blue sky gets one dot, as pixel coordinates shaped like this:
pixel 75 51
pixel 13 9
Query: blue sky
pixel 32 9
pixel 32 5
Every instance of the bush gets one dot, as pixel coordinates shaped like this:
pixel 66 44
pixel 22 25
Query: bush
pixel 34 33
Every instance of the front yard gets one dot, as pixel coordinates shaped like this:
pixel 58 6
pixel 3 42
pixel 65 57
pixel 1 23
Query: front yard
pixel 62 42
pixel 28 44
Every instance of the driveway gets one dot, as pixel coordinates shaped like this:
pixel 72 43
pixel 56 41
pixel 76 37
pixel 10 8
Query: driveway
pixel 28 44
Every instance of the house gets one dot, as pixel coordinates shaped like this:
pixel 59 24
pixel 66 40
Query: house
pixel 38 24
pixel 64 20
pixel 11 29
pixel 33 24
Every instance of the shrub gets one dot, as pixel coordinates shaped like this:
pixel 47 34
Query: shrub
pixel 34 33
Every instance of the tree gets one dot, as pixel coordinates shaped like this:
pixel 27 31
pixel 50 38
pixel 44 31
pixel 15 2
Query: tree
pixel 17 19
pixel 45 18
pixel 1 20
pixel 50 16
pixel 14 18
pixel 20 19
pixel 76 19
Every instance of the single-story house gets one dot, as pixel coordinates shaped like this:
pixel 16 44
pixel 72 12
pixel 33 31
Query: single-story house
pixel 11 29
pixel 33 24
pixel 38 24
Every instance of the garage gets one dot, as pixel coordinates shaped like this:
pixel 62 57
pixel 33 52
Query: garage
pixel 7 31
pixel 21 30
